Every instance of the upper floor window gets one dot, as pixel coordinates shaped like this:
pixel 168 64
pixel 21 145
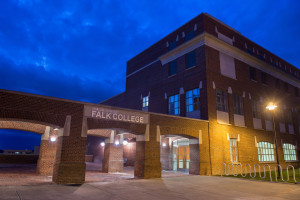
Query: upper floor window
pixel 174 105
pixel 222 104
pixel 265 151
pixel 190 59
pixel 193 100
pixel 256 109
pixel 289 152
pixel 238 104
pixel 145 103
pixel 172 45
pixel 263 77
pixel 252 73
pixel 289 116
pixel 281 115
pixel 296 92
pixel 286 87
pixel 172 67
pixel 233 150
pixel 277 83
pixel 189 35
pixel 227 65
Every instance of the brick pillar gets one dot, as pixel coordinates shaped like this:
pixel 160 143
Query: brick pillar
pixel 166 154
pixel 147 163
pixel 194 166
pixel 47 153
pixel 69 167
pixel 113 154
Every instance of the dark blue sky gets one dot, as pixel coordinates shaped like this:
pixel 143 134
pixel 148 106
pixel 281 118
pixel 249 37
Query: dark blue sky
pixel 78 49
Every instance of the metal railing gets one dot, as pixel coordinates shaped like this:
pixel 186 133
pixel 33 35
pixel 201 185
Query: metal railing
pixel 236 168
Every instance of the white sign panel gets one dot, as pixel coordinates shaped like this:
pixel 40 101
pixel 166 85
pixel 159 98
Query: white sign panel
pixel 116 115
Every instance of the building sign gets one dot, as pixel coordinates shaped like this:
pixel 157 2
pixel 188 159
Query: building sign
pixel 116 115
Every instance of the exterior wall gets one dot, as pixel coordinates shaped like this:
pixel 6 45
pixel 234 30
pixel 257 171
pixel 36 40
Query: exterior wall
pixel 95 149
pixel 129 153
pixel 19 159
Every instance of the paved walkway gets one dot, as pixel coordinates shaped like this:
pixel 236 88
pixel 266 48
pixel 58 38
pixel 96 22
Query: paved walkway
pixel 173 188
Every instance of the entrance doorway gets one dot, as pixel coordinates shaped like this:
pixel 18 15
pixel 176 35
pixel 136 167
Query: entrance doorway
pixel 181 155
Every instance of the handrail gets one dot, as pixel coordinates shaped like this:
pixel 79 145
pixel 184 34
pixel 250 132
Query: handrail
pixel 244 174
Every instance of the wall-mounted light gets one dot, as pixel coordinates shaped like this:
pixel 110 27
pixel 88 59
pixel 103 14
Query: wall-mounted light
pixel 125 142
pixel 52 139
pixel 164 144
pixel 56 129
pixel 117 143
pixel 102 144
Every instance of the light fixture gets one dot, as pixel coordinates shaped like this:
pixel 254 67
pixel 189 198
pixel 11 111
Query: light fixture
pixel 125 142
pixel 102 144
pixel 53 139
pixel 117 143
pixel 271 106
pixel 56 129
pixel 164 144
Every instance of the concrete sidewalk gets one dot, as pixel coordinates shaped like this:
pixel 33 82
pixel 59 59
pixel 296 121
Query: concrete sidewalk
pixel 187 187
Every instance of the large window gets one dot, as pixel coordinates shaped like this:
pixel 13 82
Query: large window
pixel 289 152
pixel 221 101
pixel 145 103
pixel 255 109
pixel 173 67
pixel 190 59
pixel 174 105
pixel 238 104
pixel 233 150
pixel 193 100
pixel 252 73
pixel 265 152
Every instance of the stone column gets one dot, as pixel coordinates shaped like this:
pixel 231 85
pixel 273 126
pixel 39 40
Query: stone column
pixel 70 166
pixel 47 153
pixel 147 163
pixel 166 153
pixel 194 165
pixel 113 154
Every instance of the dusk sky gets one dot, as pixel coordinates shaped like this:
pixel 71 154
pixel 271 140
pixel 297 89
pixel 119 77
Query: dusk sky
pixel 77 49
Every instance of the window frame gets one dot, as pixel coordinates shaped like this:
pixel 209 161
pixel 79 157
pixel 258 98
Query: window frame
pixel 265 151
pixel 252 73
pixel 145 102
pixel 238 107
pixel 233 150
pixel 188 56
pixel 172 65
pixel 172 110
pixel 289 152
pixel 189 104
pixel 224 104
pixel 256 109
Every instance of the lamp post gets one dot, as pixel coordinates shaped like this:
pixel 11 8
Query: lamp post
pixel 271 107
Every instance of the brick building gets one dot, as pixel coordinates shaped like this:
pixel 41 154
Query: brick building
pixel 207 70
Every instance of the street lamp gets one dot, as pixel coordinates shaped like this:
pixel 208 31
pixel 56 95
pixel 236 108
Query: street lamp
pixel 271 107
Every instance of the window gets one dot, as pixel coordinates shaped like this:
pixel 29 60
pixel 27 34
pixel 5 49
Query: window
pixel 227 65
pixel 190 59
pixel 193 100
pixel 255 109
pixel 265 152
pixel 233 150
pixel 145 103
pixel 281 115
pixel 172 67
pixel 296 92
pixel 238 104
pixel 252 73
pixel 189 35
pixel 172 45
pixel 289 152
pixel 221 101
pixel 174 105
pixel 263 77
pixel 268 115
pixel 286 87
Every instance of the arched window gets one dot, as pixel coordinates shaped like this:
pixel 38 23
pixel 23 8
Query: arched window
pixel 289 152
pixel 265 152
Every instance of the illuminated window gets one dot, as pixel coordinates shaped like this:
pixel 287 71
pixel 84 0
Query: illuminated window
pixel 255 109
pixel 193 100
pixel 238 104
pixel 174 105
pixel 289 152
pixel 190 59
pixel 233 150
pixel 173 67
pixel 221 101
pixel 145 103
pixel 265 152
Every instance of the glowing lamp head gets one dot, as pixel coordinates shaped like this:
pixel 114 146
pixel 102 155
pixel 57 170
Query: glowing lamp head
pixel 53 139
pixel 102 144
pixel 164 144
pixel 125 142
pixel 117 143
pixel 271 106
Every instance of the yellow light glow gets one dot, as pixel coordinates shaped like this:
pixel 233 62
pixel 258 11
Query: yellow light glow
pixel 271 106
